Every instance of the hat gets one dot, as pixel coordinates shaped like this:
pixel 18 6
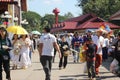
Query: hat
pixel 101 31
pixel 88 31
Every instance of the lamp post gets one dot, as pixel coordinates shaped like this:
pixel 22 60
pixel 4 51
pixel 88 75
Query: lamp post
pixel 24 22
pixel 16 20
pixel 6 16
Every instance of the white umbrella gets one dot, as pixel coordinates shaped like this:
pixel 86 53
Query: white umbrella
pixel 36 32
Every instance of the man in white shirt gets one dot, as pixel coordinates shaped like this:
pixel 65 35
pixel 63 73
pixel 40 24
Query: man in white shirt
pixel 105 47
pixel 100 42
pixel 69 39
pixel 95 38
pixel 46 51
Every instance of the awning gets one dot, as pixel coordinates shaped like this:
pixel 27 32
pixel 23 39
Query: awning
pixel 23 3
pixel 8 1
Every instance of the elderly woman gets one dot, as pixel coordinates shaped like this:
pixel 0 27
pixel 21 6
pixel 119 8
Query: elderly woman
pixel 5 47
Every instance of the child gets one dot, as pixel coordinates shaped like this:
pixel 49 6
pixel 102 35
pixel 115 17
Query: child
pixel 91 50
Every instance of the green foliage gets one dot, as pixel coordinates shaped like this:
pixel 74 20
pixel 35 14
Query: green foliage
pixel 102 8
pixel 61 18
pixel 68 15
pixel 82 2
pixel 116 31
pixel 47 20
pixel 36 22
pixel 33 19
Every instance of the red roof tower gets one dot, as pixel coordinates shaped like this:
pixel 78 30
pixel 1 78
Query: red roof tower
pixel 56 11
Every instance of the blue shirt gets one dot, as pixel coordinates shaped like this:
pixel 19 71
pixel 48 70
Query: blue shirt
pixel 76 41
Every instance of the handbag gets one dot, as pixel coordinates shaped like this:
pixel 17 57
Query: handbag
pixel 66 53
pixel 82 54
pixel 16 51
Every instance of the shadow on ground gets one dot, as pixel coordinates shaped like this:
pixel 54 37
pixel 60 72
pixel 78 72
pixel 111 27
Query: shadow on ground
pixel 107 77
pixel 85 77
pixel 42 69
pixel 73 77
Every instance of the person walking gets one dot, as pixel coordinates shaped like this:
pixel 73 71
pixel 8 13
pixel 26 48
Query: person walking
pixel 105 47
pixel 69 38
pixel 46 51
pixel 25 43
pixel 117 52
pixel 15 51
pixel 91 50
pixel 5 47
pixel 64 47
pixel 99 53
pixel 76 43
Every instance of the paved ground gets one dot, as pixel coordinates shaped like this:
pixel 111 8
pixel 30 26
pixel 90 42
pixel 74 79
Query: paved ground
pixel 73 71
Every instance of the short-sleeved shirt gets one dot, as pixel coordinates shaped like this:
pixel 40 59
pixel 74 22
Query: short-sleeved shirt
pixel 95 39
pixel 91 51
pixel 76 41
pixel 69 39
pixel 100 45
pixel 48 48
pixel 106 42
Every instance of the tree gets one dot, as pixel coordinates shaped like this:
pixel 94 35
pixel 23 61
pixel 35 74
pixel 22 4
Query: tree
pixel 61 18
pixel 82 2
pixel 34 20
pixel 69 15
pixel 102 8
pixel 49 20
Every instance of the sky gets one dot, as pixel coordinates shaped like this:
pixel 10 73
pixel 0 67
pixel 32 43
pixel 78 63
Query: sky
pixel 46 6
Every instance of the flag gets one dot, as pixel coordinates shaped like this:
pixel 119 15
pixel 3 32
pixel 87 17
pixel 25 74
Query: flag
pixel 107 28
pixel 102 26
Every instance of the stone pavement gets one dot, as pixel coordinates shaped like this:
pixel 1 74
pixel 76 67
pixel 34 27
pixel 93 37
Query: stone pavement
pixel 73 71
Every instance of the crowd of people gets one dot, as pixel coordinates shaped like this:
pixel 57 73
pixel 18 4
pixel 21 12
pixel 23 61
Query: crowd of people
pixel 97 47
pixel 18 50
